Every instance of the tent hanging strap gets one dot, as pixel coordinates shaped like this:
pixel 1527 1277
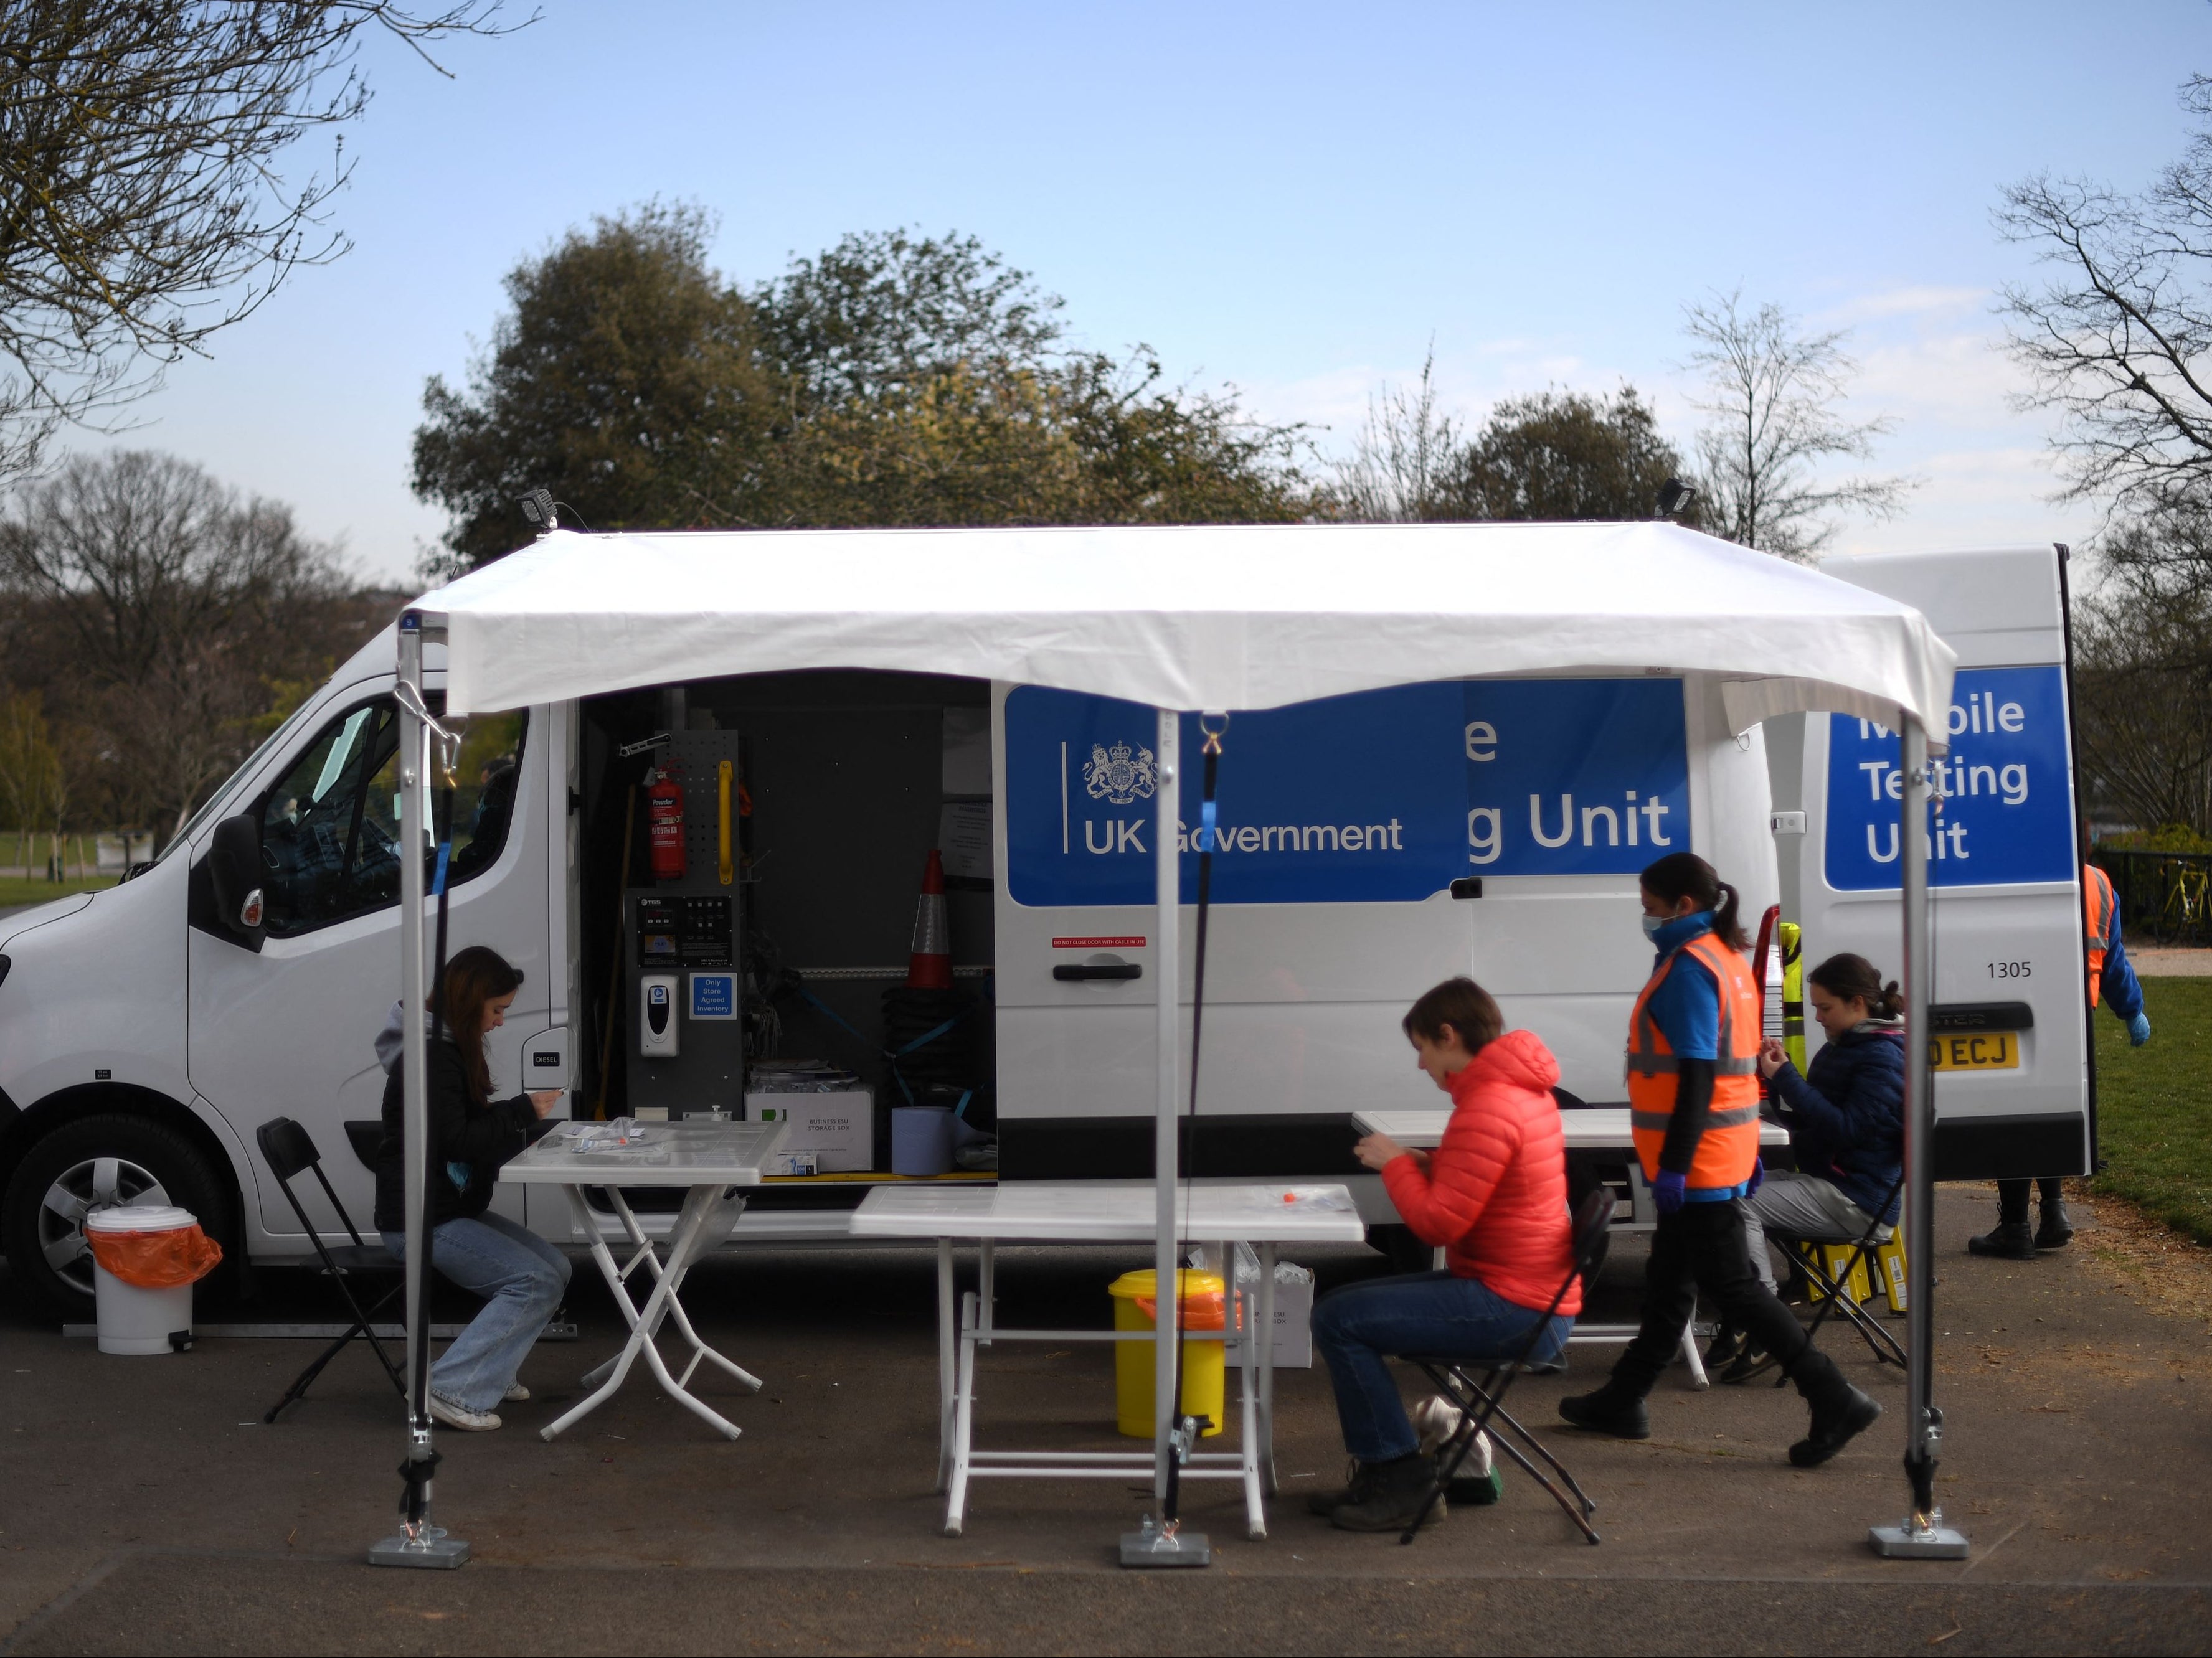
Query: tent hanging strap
pixel 1187 1432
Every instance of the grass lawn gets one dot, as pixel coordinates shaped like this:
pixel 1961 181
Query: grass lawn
pixel 2154 1107
pixel 18 889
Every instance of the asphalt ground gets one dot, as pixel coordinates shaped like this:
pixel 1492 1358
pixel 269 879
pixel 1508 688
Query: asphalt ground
pixel 148 1511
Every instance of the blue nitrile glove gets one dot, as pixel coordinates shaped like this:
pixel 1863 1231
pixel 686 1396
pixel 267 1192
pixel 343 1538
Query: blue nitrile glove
pixel 2139 1030
pixel 1757 1177
pixel 1666 1192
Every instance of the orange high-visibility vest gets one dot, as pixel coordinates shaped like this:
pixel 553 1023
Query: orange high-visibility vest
pixel 1729 1145
pixel 2098 905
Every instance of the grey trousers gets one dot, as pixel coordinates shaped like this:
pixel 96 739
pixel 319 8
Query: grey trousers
pixel 1799 1206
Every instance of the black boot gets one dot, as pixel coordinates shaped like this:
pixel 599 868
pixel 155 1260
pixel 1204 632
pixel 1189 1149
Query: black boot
pixel 1357 1484
pixel 1613 1409
pixel 1840 1412
pixel 2008 1239
pixel 1394 1495
pixel 2058 1229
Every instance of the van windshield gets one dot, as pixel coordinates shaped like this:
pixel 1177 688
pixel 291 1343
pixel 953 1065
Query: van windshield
pixel 222 795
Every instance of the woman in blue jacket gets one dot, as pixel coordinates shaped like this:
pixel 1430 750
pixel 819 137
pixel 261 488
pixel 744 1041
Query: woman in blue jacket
pixel 1847 1123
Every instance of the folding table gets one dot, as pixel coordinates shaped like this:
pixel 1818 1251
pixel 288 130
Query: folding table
pixel 711 1162
pixel 1588 1128
pixel 1035 1212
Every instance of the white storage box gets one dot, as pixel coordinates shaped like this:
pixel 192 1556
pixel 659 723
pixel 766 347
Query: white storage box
pixel 1292 1345
pixel 838 1128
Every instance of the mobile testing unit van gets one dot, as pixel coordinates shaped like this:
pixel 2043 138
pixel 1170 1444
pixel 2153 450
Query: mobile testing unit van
pixel 1370 845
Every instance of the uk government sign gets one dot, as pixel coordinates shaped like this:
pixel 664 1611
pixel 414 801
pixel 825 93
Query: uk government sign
pixel 1387 795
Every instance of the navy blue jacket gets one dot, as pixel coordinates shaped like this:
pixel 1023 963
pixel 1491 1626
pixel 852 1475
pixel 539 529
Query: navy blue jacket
pixel 1846 1120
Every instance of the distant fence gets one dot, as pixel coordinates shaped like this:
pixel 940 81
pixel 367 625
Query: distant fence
pixel 2165 897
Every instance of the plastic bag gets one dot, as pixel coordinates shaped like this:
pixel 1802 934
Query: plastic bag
pixel 156 1260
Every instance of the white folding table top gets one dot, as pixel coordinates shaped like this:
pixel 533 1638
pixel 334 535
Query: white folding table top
pixel 1590 1128
pixel 681 1154
pixel 1091 1212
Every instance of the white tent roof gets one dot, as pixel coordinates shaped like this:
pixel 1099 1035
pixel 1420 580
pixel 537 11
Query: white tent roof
pixel 1228 616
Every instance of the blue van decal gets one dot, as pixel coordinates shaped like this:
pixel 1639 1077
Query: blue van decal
pixel 1381 796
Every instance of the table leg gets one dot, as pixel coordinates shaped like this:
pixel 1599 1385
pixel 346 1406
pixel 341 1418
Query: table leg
pixel 1266 1356
pixel 964 1420
pixel 699 1207
pixel 1241 1318
pixel 947 1356
pixel 987 1289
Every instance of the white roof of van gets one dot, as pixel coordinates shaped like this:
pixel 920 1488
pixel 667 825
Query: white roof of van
pixel 1198 617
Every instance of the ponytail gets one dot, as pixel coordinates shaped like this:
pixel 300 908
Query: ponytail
pixel 1682 875
pixel 1854 978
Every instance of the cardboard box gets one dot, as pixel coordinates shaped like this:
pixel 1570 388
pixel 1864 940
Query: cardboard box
pixel 1294 1300
pixel 838 1128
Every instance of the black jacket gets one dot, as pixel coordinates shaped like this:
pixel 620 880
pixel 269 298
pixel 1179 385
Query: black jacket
pixel 462 1132
pixel 1846 1119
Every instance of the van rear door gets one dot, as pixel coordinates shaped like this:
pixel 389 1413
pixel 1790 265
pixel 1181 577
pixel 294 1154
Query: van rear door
pixel 2010 992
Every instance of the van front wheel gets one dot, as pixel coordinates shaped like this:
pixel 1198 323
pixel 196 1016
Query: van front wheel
pixel 95 1162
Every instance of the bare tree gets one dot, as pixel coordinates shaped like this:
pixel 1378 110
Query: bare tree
pixel 175 606
pixel 2119 340
pixel 142 206
pixel 1402 456
pixel 1771 400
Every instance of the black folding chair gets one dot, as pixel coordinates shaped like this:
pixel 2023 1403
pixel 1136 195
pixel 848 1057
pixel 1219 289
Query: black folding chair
pixel 1482 1403
pixel 1833 1287
pixel 290 1151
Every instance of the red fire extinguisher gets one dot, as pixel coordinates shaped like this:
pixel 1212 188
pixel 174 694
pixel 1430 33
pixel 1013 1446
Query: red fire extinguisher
pixel 665 819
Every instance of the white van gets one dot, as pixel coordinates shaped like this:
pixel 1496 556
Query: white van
pixel 1370 845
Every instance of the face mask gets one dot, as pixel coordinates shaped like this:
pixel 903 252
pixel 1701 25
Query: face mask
pixel 1652 924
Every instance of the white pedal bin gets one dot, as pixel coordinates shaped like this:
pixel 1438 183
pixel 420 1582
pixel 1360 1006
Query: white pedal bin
pixel 131 1320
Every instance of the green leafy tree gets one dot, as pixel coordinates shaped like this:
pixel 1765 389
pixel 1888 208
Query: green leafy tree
pixel 1560 456
pixel 624 379
pixel 892 380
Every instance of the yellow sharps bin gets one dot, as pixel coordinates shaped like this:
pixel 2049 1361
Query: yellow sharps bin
pixel 1136 1299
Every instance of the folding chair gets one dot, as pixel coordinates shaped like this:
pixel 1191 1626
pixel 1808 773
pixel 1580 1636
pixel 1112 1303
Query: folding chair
pixel 290 1151
pixel 1834 1292
pixel 1482 1403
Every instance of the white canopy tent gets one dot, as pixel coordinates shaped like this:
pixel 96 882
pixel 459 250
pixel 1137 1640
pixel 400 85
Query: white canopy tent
pixel 1207 618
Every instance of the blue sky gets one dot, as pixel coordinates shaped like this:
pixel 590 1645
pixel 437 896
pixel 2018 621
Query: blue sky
pixel 1292 199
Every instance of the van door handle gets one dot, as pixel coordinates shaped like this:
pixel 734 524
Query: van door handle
pixel 1079 970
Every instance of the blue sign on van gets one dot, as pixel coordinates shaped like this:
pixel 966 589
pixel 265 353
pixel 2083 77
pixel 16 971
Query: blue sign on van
pixel 1387 795
pixel 2006 816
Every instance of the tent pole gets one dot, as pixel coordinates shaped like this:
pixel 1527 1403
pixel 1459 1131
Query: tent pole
pixel 417 1542
pixel 1922 1535
pixel 1167 963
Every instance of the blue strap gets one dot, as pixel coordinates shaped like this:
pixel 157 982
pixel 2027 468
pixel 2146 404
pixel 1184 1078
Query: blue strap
pixel 1208 842
pixel 438 881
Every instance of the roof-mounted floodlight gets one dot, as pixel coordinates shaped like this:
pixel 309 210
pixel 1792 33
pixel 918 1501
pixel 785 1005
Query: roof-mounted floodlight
pixel 1674 498
pixel 538 507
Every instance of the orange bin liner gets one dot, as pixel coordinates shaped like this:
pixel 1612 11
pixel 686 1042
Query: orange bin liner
pixel 156 1260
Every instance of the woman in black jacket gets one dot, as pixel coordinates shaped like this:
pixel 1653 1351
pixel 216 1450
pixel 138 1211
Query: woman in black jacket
pixel 1847 1123
pixel 522 1276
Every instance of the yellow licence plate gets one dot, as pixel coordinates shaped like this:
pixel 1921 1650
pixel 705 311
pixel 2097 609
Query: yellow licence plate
pixel 1987 1050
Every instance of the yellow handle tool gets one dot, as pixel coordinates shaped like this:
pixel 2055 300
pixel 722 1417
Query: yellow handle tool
pixel 722 825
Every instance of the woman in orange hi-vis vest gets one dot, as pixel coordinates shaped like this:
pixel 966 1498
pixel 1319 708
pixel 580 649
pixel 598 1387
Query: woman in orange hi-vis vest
pixel 1694 1107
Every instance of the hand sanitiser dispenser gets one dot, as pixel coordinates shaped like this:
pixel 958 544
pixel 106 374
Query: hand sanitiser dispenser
pixel 656 1016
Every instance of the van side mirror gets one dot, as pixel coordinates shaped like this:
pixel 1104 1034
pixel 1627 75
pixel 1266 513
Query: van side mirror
pixel 235 871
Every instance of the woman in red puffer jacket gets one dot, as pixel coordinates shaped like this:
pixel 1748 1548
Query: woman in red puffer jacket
pixel 1494 1195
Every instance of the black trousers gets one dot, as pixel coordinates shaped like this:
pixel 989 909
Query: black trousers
pixel 2012 1198
pixel 1701 1250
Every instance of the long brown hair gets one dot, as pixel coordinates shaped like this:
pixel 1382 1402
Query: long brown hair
pixel 473 977
pixel 1854 978
pixel 1682 875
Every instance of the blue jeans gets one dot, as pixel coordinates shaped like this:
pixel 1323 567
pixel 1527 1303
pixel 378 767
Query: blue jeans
pixel 522 1278
pixel 1356 1326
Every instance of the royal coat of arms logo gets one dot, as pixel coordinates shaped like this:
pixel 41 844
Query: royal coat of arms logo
pixel 1118 777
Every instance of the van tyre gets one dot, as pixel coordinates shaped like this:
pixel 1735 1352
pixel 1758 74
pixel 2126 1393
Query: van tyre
pixel 114 1157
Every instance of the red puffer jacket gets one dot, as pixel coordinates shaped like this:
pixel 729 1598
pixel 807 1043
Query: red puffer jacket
pixel 1495 1193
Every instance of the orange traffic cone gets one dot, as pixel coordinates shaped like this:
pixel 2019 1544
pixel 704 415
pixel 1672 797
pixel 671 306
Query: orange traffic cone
pixel 929 965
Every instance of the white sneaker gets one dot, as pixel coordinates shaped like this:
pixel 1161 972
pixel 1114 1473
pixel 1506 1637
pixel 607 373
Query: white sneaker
pixel 517 1394
pixel 475 1422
